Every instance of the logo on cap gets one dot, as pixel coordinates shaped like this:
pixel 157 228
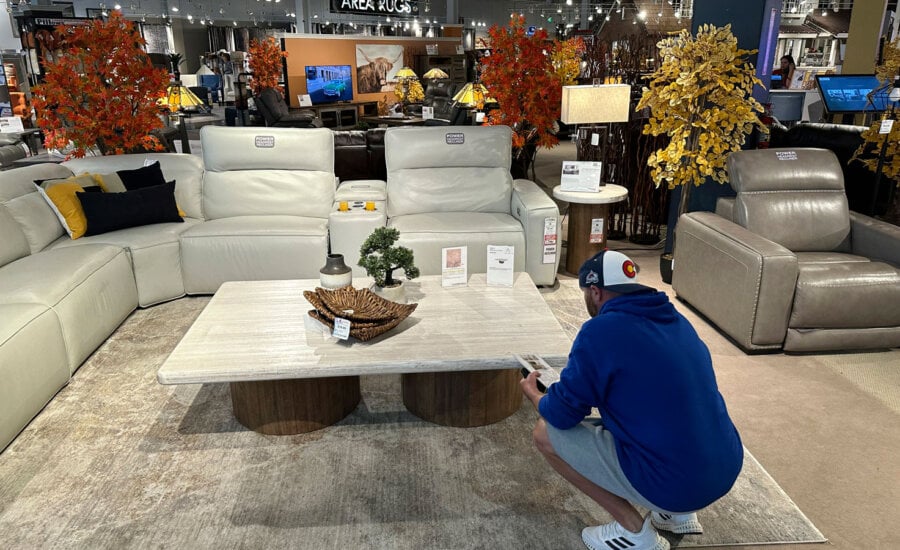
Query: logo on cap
pixel 629 269
pixel 591 278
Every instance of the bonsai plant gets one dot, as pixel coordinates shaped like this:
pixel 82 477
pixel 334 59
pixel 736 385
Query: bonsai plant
pixel 266 64
pixel 100 91
pixel 380 258
pixel 700 97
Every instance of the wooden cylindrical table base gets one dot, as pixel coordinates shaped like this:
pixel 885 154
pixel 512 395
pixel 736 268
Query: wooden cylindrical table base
pixel 286 407
pixel 580 247
pixel 463 399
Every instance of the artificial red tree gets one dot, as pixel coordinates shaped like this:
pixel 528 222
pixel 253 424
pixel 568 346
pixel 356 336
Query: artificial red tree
pixel 100 91
pixel 521 77
pixel 266 64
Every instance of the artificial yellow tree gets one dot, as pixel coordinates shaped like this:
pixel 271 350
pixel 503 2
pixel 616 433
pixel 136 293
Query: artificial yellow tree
pixel 700 96
pixel 887 161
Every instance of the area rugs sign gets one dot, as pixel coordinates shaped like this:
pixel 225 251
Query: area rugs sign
pixel 376 7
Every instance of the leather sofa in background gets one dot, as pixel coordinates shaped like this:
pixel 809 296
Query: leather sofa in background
pixel 843 140
pixel 787 265
pixel 11 149
pixel 359 154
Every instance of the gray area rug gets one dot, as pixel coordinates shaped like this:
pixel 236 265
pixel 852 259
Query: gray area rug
pixel 118 461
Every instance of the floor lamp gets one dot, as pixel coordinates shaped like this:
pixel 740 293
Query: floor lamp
pixel 600 104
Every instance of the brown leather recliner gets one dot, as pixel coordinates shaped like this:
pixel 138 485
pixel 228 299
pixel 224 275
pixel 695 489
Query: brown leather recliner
pixel 785 264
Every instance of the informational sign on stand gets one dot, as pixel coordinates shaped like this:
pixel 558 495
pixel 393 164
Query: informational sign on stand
pixel 580 175
pixel 305 100
pixel 427 113
pixel 453 266
pixel 10 124
pixel 500 265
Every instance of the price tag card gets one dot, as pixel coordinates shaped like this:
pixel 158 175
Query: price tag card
pixel 886 126
pixel 581 176
pixel 500 265
pixel 550 237
pixel 596 231
pixel 453 266
pixel 341 328
pixel 427 113
pixel 10 124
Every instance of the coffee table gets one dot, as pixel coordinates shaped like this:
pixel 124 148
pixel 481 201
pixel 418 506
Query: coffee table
pixel 287 376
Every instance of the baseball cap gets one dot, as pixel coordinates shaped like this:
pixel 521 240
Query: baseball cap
pixel 610 270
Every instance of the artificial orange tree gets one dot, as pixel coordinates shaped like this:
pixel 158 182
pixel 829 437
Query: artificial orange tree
pixel 266 64
pixel 100 91
pixel 521 77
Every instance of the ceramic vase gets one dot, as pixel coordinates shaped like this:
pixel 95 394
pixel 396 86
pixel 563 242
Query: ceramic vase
pixel 335 273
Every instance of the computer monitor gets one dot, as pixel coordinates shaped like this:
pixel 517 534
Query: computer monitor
pixel 849 93
pixel 787 105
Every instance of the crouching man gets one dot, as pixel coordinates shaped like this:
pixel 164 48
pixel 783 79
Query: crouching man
pixel 664 440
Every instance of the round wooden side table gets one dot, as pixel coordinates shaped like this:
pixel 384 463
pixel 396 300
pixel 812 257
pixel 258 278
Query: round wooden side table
pixel 588 221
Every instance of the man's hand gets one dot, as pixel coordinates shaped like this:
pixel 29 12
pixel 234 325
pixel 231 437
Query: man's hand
pixel 530 389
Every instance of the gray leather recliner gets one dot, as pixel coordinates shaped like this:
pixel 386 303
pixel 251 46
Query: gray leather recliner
pixel 786 265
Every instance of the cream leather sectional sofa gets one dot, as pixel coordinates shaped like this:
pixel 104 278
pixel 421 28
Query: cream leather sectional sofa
pixel 260 204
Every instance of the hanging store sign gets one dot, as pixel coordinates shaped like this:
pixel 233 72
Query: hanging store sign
pixel 376 7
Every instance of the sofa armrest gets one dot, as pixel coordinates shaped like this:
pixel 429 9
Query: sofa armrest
pixel 874 239
pixel 741 281
pixel 532 207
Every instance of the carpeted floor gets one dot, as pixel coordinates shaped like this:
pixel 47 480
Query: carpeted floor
pixel 118 461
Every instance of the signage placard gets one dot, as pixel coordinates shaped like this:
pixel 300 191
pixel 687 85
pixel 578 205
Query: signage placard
pixel 399 8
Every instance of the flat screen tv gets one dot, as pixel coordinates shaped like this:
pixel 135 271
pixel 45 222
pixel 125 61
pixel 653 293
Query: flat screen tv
pixel 329 83
pixel 847 93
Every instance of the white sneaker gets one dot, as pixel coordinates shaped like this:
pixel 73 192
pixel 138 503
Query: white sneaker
pixel 680 524
pixel 613 536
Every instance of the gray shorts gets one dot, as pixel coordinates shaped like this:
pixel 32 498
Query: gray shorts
pixel 590 449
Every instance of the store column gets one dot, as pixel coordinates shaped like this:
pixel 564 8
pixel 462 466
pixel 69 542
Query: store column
pixel 866 22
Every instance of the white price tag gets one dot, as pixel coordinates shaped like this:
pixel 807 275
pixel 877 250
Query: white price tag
pixel 595 139
pixel 549 240
pixel 886 126
pixel 596 231
pixel 341 328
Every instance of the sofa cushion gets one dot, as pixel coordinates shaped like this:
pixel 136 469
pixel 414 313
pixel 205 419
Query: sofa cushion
pixel 20 197
pixel 13 244
pixel 60 197
pixel 90 287
pixel 33 365
pixel 186 170
pixel 457 169
pixel 267 171
pixel 828 258
pixel 794 197
pixel 155 254
pixel 866 292
pixel 111 211
pixel 250 248
pixel 427 234
pixel 111 183
pixel 145 176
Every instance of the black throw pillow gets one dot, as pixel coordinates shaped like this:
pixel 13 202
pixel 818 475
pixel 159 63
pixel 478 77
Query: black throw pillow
pixel 111 211
pixel 145 176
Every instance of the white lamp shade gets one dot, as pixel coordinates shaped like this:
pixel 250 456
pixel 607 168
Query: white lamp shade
pixel 589 104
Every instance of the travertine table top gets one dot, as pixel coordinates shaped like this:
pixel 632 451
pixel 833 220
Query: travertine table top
pixel 260 330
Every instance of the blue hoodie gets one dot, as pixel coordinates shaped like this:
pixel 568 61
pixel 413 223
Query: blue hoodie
pixel 643 366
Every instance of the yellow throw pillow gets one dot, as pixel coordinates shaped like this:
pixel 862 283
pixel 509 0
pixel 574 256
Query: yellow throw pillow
pixel 69 207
